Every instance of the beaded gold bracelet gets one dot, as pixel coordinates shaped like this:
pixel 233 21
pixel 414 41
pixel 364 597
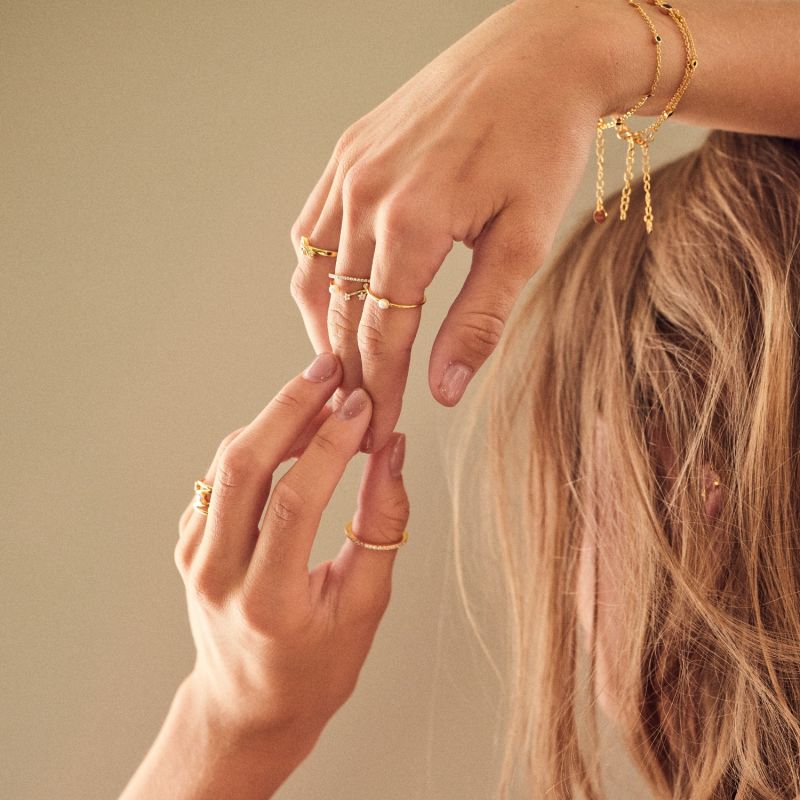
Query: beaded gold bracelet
pixel 645 136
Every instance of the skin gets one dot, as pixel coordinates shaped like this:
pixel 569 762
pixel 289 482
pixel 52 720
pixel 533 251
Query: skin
pixel 486 145
pixel 600 543
pixel 279 648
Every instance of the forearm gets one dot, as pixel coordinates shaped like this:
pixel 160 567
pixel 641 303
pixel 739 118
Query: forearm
pixel 193 758
pixel 748 52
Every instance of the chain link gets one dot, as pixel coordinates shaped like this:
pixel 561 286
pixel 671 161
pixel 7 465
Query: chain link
pixel 646 135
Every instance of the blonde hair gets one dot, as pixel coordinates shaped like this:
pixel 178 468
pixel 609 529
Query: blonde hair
pixel 688 335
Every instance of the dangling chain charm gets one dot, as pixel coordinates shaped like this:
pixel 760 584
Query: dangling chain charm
pixel 599 212
pixel 648 208
pixel 625 198
pixel 645 136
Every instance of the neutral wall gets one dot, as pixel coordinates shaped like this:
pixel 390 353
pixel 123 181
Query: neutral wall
pixel 154 155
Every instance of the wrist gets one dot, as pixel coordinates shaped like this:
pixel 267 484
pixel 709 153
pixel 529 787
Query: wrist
pixel 625 55
pixel 229 731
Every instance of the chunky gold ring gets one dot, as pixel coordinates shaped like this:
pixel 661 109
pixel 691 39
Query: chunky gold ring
pixel 202 491
pixel 312 251
pixel 348 529
pixel 384 303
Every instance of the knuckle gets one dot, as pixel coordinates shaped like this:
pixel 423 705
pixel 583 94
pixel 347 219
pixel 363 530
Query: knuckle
pixel 481 332
pixel 235 465
pixel 372 342
pixel 286 506
pixel 182 519
pixel 251 609
pixel 344 149
pixel 373 603
pixel 207 587
pixel 181 557
pixel 295 233
pixel 286 401
pixel 360 185
pixel 392 516
pixel 400 219
pixel 226 442
pixel 300 286
pixel 341 327
pixel 326 445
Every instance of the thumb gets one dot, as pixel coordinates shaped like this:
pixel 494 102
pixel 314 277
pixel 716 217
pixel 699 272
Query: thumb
pixel 381 518
pixel 505 255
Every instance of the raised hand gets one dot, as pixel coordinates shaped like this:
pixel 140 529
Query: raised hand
pixel 485 145
pixel 279 648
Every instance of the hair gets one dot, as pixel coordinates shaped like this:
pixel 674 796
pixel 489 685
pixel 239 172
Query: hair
pixel 688 335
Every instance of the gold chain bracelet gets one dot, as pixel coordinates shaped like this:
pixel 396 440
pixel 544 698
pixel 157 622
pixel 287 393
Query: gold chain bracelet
pixel 644 137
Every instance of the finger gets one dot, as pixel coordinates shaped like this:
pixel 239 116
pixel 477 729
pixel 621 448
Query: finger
pixel 381 518
pixel 356 248
pixel 309 432
pixel 407 257
pixel 192 522
pixel 309 285
pixel 244 472
pixel 505 256
pixel 279 565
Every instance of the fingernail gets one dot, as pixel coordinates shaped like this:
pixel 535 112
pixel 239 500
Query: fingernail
pixel 366 442
pixel 397 456
pixel 455 380
pixel 354 405
pixel 321 368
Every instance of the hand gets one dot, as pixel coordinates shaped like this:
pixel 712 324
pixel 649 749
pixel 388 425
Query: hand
pixel 485 145
pixel 279 648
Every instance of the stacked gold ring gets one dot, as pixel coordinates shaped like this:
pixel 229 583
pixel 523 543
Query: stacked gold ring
pixel 364 292
pixel 348 529
pixel 385 303
pixel 202 500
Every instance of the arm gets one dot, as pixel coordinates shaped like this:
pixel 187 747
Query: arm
pixel 748 51
pixel 487 145
pixel 195 756
pixel 279 648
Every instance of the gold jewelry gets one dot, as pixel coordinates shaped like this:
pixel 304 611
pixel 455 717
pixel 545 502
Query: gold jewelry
pixel 348 529
pixel 703 489
pixel 312 251
pixel 385 303
pixel 202 498
pixel 644 137
pixel 334 276
pixel 361 293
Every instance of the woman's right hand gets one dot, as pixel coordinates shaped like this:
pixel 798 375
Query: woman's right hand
pixel 279 649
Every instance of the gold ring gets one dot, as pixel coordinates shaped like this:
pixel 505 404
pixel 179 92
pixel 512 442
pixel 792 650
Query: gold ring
pixel 334 276
pixel 361 293
pixel 312 251
pixel 385 303
pixel 348 529
pixel 202 491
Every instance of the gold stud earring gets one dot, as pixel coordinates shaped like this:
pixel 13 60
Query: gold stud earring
pixel 714 484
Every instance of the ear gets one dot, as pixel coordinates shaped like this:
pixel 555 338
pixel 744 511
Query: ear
pixel 711 491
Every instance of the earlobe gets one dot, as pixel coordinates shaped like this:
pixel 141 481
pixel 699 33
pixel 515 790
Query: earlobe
pixel 711 491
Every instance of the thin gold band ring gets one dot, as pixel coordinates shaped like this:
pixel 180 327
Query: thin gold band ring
pixel 348 529
pixel 384 303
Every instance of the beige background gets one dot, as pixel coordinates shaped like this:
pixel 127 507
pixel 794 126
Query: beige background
pixel 154 155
